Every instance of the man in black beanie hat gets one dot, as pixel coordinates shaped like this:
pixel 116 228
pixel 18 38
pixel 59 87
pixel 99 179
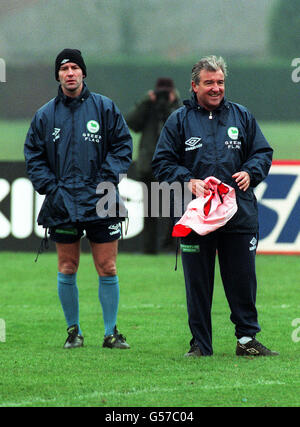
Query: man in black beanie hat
pixel 75 142
pixel 70 59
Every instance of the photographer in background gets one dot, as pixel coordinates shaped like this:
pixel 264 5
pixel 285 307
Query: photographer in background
pixel 148 118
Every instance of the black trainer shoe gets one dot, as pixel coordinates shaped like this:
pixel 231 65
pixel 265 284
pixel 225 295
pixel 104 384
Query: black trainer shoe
pixel 194 351
pixel 74 340
pixel 254 348
pixel 115 341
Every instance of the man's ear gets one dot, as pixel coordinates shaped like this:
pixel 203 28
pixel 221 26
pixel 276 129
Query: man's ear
pixel 194 87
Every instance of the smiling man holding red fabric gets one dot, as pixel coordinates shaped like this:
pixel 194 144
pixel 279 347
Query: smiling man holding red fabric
pixel 212 137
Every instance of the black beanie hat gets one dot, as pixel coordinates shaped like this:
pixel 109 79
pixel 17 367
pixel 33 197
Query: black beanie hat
pixel 69 55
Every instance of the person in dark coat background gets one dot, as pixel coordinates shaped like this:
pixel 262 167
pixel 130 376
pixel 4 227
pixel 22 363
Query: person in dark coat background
pixel 148 118
pixel 77 141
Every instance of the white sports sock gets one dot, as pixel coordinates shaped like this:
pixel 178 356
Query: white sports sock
pixel 245 340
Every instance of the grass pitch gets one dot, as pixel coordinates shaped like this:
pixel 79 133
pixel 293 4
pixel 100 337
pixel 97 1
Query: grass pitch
pixel 284 138
pixel 36 371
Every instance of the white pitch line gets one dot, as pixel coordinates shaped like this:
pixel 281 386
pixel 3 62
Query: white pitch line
pixel 133 392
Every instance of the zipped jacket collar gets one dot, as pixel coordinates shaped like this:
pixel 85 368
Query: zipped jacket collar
pixel 193 104
pixel 73 102
pixel 222 110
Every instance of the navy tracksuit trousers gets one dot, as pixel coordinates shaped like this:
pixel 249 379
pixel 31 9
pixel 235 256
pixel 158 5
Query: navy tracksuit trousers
pixel 236 254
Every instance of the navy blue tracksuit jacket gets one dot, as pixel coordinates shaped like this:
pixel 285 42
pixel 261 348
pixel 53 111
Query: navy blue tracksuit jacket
pixel 72 146
pixel 192 145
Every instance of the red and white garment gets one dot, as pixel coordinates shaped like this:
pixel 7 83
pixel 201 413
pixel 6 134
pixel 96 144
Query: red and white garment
pixel 207 213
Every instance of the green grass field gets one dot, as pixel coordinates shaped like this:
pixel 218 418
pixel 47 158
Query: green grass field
pixel 36 371
pixel 284 138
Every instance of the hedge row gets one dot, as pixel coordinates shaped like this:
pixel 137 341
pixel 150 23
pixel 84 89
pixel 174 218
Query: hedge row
pixel 267 90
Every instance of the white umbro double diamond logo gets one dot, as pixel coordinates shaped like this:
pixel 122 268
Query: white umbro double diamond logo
pixel 193 143
pixel 251 350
